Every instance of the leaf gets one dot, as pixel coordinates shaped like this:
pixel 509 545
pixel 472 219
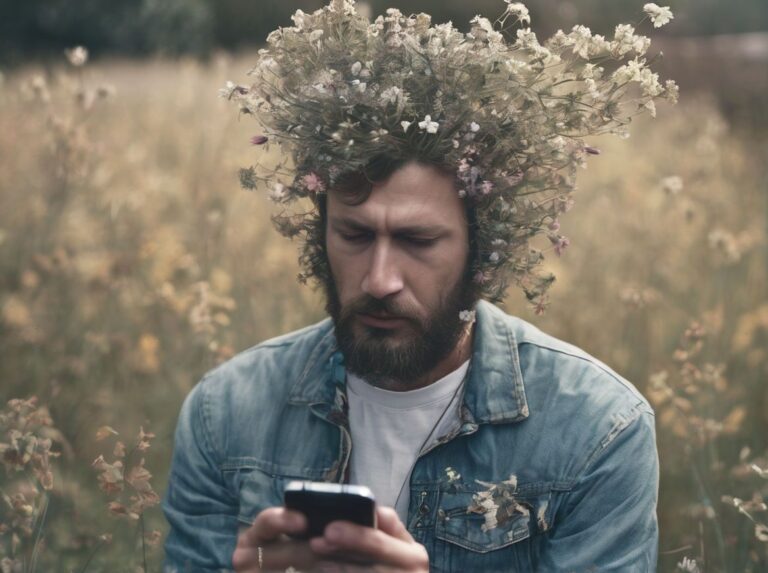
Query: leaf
pixel 104 432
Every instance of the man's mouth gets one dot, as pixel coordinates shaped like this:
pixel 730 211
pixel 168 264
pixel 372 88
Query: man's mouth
pixel 379 320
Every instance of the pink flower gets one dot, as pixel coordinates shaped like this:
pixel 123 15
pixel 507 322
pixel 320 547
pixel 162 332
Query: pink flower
pixel 560 243
pixel 591 150
pixel 259 139
pixel 480 278
pixel 486 187
pixel 554 225
pixel 313 183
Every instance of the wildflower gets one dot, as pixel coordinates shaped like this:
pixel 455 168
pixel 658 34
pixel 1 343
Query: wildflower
pixel 688 565
pixel 451 473
pixel 429 125
pixel 659 15
pixel 494 257
pixel 591 150
pixel 77 56
pixel 277 193
pixel 519 11
pixel 259 139
pixel 672 184
pixel 480 278
pixel 486 187
pixel 392 95
pixel 313 183
pixel 356 67
pixel 467 316
pixel 560 243
pixel 406 125
pixel 474 127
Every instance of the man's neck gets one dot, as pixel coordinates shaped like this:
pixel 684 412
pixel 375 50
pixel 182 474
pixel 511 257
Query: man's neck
pixel 458 356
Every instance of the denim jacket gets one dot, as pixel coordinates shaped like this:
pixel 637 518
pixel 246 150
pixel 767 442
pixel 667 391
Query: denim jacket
pixel 553 463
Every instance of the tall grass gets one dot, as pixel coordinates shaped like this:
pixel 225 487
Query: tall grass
pixel 131 262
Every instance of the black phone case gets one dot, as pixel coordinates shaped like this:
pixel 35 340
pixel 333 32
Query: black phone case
pixel 321 508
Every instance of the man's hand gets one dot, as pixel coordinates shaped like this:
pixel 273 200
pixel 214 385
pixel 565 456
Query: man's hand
pixel 390 548
pixel 269 536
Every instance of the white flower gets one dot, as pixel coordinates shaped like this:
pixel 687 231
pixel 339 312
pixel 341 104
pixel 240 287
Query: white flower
pixel 315 35
pixel 581 36
pixel 494 258
pixel 77 56
pixel 356 67
pixel 474 127
pixel 467 316
pixel 277 193
pixel 429 125
pixel 672 184
pixel 518 10
pixel 659 15
pixel 406 125
pixel 688 565
pixel 392 95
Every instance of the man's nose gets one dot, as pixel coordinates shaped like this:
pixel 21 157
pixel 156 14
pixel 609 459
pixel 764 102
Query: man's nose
pixel 383 277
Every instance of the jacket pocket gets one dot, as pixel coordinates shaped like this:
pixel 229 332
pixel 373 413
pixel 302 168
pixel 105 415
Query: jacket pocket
pixel 462 521
pixel 472 535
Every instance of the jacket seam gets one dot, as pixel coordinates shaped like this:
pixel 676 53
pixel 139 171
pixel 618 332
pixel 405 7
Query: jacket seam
pixel 594 363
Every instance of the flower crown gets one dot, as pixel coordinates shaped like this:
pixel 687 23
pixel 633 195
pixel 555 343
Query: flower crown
pixel 508 113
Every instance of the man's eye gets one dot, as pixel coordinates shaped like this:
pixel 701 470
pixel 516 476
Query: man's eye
pixel 355 238
pixel 419 242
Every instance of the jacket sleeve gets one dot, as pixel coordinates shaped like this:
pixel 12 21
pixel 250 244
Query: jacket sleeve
pixel 200 508
pixel 607 521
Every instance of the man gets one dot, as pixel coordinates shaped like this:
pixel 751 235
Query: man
pixel 490 446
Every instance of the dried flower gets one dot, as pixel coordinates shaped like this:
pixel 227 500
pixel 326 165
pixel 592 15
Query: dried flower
pixel 495 115
pixel 659 15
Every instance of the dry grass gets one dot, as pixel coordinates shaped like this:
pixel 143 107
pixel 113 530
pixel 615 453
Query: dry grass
pixel 131 262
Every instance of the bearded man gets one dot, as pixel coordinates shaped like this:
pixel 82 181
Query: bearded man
pixel 489 445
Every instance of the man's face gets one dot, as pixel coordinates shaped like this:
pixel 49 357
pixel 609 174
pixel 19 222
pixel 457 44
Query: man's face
pixel 398 263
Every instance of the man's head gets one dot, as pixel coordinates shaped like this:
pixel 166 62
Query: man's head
pixel 399 253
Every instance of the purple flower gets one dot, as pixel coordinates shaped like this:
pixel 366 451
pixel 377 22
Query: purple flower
pixel 591 150
pixel 259 139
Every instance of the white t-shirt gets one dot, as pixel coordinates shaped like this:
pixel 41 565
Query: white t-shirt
pixel 389 428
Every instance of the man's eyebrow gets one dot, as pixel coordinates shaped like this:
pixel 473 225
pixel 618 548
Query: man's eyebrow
pixel 401 230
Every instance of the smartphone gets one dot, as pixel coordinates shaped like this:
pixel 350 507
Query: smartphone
pixel 323 503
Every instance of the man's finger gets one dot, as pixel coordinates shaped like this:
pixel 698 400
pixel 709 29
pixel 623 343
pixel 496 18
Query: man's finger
pixel 270 525
pixel 343 537
pixel 389 522
pixel 274 556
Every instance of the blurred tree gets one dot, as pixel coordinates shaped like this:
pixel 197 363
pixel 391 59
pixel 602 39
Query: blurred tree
pixel 31 28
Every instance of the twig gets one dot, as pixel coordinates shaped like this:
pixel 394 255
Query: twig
pixel 38 537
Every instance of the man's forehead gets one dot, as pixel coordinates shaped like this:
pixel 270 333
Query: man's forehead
pixel 415 197
pixel 412 225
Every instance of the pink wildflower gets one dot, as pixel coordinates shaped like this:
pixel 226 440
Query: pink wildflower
pixel 313 183
pixel 591 150
pixel 259 139
pixel 560 243
pixel 486 187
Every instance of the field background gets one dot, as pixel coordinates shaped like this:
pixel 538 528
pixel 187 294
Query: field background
pixel 131 262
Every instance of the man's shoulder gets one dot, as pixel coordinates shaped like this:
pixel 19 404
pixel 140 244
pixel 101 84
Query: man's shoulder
pixel 272 365
pixel 547 361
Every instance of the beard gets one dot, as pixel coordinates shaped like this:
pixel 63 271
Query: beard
pixel 401 355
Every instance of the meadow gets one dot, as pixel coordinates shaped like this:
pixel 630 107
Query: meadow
pixel 131 262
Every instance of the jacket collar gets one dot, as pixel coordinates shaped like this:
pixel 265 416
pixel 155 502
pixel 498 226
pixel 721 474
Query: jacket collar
pixel 495 392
